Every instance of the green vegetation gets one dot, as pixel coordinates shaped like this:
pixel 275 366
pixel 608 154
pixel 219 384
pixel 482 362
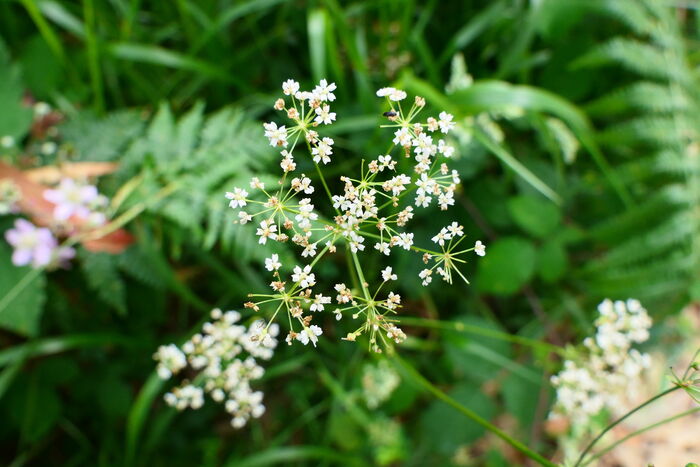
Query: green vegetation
pixel 579 154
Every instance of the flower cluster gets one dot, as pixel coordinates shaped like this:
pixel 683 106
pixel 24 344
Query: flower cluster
pixel 217 354
pixel 9 196
pixel 609 369
pixel 77 199
pixel 378 382
pixel 36 246
pixel 373 210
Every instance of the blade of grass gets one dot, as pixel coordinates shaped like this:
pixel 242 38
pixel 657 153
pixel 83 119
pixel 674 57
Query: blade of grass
pixel 229 15
pixel 53 345
pixel 515 165
pixel 44 28
pixel 62 17
pixel 316 29
pixel 472 29
pixel 481 331
pixel 93 55
pixel 155 55
pixel 289 454
pixel 8 375
pixel 138 414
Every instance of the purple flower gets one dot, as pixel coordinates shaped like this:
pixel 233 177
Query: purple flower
pixel 72 199
pixel 36 246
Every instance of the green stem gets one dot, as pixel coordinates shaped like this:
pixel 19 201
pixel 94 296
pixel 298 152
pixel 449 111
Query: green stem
pixel 325 186
pixel 640 431
pixel 420 379
pixel 361 276
pixel 469 328
pixel 93 55
pixel 619 420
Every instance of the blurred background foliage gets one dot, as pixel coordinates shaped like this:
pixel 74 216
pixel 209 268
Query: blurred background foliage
pixel 579 157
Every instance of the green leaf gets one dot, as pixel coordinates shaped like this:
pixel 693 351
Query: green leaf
pixel 508 265
pixel 491 95
pixel 102 275
pixel 521 397
pixel 41 70
pixel 22 295
pixel 464 351
pixel 345 432
pixel 114 397
pixel 154 55
pixel 552 261
pixel 444 429
pixel 15 119
pixel 36 409
pixel 534 215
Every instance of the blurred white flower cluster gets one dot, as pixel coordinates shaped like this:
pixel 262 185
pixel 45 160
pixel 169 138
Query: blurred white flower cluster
pixel 9 196
pixel 224 371
pixel 372 207
pixel 608 371
pixel 379 382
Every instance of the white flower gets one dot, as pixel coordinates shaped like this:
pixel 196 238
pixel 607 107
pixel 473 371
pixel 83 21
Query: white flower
pixel 244 217
pixel 48 148
pixel 387 274
pixel 7 141
pixel 170 360
pixel 266 229
pixel 310 334
pixel 287 163
pixel 383 247
pixel 324 91
pixel 384 92
pixel 445 123
pixel 290 87
pixel 41 109
pixel 255 183
pixel 426 275
pixel 405 240
pixel 424 145
pixel 397 95
pixel 322 151
pixel 74 199
pixel 423 201
pixel 277 136
pixel 455 229
pixel 392 93
pixel 446 199
pixel 445 149
pixel 272 263
pixel 304 276
pixel 402 137
pixel 607 371
pixel 309 250
pixel 302 184
pixel 237 197
pixel 324 115
pixel 386 162
pixel 319 301
pixel 480 248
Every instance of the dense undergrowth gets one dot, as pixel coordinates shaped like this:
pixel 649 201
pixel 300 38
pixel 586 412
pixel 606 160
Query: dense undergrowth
pixel 577 147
